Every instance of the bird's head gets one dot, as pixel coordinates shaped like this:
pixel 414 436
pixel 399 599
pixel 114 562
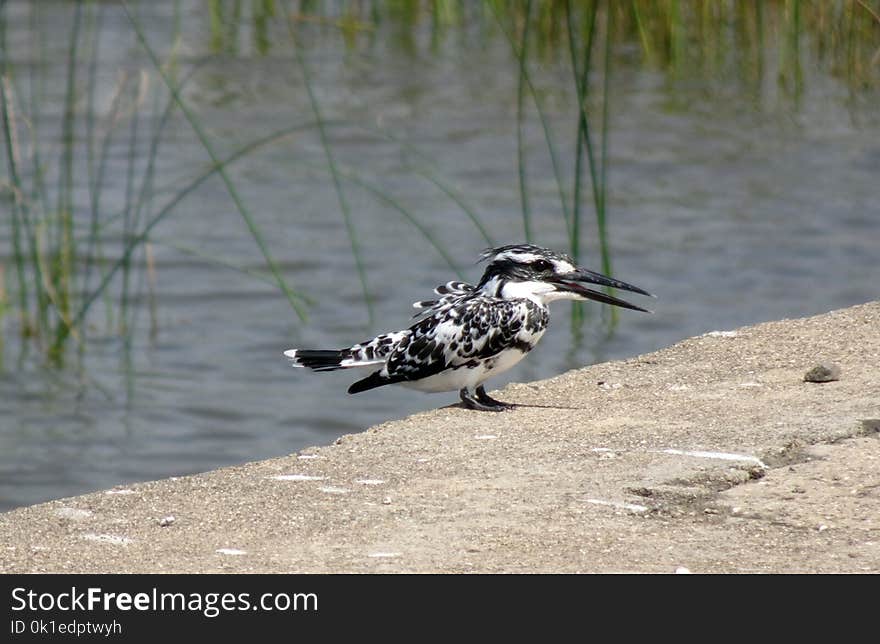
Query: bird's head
pixel 542 275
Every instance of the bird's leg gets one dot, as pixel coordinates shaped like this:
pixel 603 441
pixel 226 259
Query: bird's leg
pixel 470 401
pixel 486 399
pixel 480 401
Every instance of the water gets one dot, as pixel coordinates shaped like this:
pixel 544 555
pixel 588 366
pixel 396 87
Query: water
pixel 734 204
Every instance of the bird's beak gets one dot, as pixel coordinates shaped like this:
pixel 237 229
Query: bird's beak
pixel 571 283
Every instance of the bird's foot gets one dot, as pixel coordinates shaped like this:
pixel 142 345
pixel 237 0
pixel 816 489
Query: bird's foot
pixel 481 401
pixel 486 399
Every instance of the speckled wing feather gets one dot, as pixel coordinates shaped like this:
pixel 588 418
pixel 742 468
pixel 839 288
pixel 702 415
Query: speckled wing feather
pixel 377 350
pixel 451 293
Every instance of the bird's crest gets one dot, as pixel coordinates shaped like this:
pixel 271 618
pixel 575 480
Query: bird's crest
pixel 514 249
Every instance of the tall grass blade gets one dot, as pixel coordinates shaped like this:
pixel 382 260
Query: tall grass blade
pixel 583 140
pixel 168 208
pixel 39 190
pixel 520 124
pixel 391 201
pixel 459 200
pixel 230 187
pixel 62 267
pixel 128 223
pixel 93 249
pixel 545 125
pixel 602 188
pixel 438 182
pixel 644 38
pixel 94 168
pixel 7 114
pixel 193 251
pixel 331 164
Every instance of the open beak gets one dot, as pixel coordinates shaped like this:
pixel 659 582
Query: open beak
pixel 572 283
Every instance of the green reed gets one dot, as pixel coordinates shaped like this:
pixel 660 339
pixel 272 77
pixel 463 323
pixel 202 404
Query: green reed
pixel 525 80
pixel 580 31
pixel 682 37
pixel 523 56
pixel 350 229
pixel 56 255
pixel 61 265
pixel 198 129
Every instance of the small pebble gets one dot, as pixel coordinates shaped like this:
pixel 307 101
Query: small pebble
pixel 166 521
pixel 823 372
pixel 74 514
pixel 870 426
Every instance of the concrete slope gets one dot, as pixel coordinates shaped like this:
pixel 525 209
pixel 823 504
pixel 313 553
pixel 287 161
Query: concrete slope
pixel 713 455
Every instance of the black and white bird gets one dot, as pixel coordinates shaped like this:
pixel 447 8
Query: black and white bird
pixel 470 333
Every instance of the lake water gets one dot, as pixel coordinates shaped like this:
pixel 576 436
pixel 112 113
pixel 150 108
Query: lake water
pixel 733 202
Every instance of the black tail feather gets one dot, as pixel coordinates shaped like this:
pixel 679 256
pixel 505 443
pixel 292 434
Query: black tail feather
pixel 321 359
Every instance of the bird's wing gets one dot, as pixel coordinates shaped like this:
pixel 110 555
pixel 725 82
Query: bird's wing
pixel 450 293
pixel 377 350
pixel 473 328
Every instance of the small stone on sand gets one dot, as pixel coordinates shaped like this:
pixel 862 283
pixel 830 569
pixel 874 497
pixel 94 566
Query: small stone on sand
pixel 823 372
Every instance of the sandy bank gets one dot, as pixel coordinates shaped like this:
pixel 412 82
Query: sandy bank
pixel 712 455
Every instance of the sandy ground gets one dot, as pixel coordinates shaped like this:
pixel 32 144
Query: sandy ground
pixel 712 455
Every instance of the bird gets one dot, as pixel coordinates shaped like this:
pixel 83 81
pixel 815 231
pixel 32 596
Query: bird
pixel 472 332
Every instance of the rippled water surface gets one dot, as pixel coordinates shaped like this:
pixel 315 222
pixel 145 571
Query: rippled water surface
pixel 733 203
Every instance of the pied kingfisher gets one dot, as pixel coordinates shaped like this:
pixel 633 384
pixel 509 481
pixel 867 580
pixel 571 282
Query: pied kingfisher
pixel 472 332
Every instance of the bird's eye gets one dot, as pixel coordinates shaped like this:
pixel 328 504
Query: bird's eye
pixel 541 265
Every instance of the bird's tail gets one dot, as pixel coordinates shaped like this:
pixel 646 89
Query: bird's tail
pixel 365 354
pixel 319 359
